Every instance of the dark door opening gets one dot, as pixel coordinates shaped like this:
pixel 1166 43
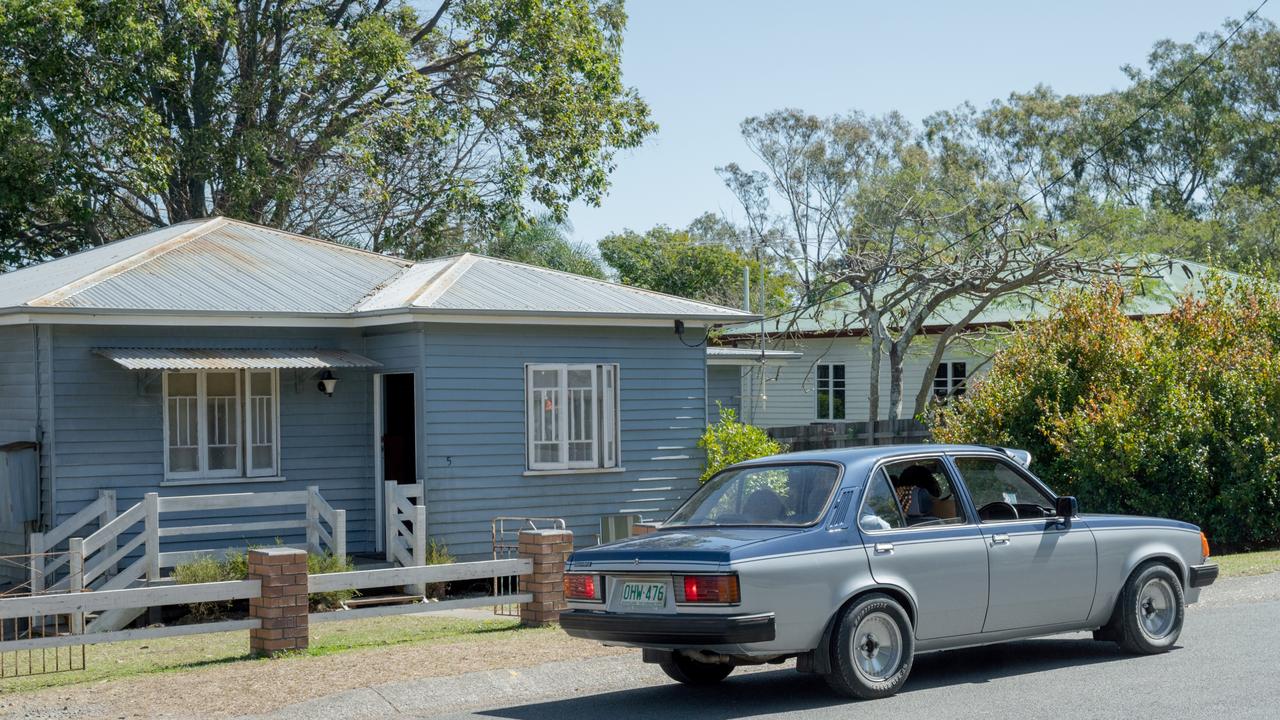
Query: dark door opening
pixel 399 447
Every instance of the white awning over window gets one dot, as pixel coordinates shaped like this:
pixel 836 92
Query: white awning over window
pixel 233 358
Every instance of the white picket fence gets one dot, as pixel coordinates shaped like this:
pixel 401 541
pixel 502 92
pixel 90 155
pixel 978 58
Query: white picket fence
pixel 107 601
pixel 94 561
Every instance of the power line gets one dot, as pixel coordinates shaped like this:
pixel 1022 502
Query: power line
pixel 1093 153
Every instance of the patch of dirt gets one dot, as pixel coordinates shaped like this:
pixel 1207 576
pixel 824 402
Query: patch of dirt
pixel 261 686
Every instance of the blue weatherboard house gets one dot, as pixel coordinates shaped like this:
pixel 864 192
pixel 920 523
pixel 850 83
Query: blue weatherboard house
pixel 219 357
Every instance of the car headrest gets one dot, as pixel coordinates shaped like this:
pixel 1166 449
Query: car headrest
pixel 921 477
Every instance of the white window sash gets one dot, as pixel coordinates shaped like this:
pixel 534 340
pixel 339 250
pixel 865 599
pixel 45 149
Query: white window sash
pixel 252 415
pixel 245 423
pixel 599 407
pixel 165 419
pixel 830 386
pixel 238 470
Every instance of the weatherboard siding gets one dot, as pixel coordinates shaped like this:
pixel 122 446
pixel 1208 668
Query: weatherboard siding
pixel 789 398
pixel 474 428
pixel 108 424
pixel 724 389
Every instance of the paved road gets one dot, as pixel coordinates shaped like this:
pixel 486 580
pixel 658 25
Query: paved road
pixel 1227 665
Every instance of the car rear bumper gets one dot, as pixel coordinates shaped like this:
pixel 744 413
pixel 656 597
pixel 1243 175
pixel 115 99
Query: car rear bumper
pixel 675 630
pixel 1202 575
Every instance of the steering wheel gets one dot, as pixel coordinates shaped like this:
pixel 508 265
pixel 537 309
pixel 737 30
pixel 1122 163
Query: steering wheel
pixel 732 519
pixel 998 511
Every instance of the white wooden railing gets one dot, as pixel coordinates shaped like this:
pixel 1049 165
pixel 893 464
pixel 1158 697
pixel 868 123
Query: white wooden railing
pixel 107 601
pixel 406 527
pixel 94 561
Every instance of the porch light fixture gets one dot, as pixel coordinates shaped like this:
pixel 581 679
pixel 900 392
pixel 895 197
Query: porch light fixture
pixel 328 383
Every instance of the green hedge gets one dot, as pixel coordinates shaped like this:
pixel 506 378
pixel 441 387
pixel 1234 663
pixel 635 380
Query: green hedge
pixel 1175 416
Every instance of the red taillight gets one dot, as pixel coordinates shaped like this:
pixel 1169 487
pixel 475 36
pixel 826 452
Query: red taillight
pixel 582 587
pixel 722 589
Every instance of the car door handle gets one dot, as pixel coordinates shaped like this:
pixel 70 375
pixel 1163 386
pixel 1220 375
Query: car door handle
pixel 1000 539
pixel 884 547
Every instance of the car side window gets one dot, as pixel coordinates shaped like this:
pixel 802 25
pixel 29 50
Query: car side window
pixel 880 510
pixel 924 491
pixel 1000 492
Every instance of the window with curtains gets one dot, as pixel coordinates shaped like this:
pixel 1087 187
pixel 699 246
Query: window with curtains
pixel 221 424
pixel 572 416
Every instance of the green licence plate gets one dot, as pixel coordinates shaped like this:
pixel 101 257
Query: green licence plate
pixel 644 594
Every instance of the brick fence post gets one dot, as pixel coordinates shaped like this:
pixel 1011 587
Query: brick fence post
pixel 643 528
pixel 282 604
pixel 548 549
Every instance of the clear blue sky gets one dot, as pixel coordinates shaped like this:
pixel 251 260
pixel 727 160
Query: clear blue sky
pixel 704 65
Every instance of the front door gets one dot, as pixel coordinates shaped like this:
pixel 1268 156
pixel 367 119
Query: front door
pixel 1043 572
pixel 399 429
pixel 918 538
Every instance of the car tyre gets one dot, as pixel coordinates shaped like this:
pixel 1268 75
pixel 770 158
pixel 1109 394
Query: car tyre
pixel 688 671
pixel 1150 610
pixel 872 648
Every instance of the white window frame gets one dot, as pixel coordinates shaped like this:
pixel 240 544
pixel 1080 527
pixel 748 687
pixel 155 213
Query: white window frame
pixel 244 468
pixel 606 416
pixel 250 419
pixel 830 388
pixel 955 381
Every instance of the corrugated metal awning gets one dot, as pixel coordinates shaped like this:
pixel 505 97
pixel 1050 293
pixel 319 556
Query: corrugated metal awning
pixel 233 358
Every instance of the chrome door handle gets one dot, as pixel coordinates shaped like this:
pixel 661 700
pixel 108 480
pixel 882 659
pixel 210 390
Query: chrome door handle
pixel 1000 539
pixel 884 547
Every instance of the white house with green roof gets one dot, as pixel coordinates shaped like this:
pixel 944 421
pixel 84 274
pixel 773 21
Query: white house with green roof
pixel 825 375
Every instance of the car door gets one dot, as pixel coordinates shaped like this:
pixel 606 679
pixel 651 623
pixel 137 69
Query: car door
pixel 1043 571
pixel 939 558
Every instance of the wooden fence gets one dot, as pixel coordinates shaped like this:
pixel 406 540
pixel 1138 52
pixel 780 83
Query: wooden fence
pixel 820 436
pixel 106 601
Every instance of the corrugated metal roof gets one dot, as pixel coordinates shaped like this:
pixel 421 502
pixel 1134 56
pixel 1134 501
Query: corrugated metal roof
pixel 233 358
pixel 475 283
pixel 717 355
pixel 227 266
pixel 1164 281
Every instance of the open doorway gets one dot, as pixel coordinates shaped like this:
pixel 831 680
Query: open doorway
pixel 399 429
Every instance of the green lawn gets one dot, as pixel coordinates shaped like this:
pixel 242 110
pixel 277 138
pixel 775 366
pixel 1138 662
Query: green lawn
pixel 118 660
pixel 1254 563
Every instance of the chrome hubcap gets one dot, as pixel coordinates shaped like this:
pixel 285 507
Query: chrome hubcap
pixel 877 647
pixel 1157 609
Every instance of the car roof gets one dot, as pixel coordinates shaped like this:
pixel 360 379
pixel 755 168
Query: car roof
pixel 856 458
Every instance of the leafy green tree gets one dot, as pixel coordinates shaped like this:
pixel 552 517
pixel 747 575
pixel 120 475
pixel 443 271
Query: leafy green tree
pixel 1176 416
pixel 729 441
pixel 370 121
pixel 541 242
pixel 678 262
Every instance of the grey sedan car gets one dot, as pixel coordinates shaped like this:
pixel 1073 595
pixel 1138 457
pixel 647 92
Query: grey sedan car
pixel 852 561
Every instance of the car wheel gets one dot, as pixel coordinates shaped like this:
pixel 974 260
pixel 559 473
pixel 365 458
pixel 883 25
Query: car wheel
pixel 1150 610
pixel 686 670
pixel 872 649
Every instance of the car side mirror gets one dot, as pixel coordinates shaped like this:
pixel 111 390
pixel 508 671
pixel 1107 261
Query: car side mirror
pixel 1066 508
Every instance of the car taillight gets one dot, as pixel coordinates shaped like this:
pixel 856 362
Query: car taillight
pixel 582 587
pixel 1204 546
pixel 720 589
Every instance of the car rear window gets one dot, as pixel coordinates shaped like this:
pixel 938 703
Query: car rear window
pixel 793 494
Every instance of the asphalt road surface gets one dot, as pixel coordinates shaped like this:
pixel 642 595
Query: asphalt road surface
pixel 1226 665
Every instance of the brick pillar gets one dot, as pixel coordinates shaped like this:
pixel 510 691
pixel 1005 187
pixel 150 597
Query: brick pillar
pixel 282 604
pixel 548 549
pixel 643 528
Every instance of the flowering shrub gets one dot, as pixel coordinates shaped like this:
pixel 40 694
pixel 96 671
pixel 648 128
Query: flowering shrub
pixel 729 441
pixel 1175 416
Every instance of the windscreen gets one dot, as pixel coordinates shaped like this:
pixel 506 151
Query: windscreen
pixel 766 495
